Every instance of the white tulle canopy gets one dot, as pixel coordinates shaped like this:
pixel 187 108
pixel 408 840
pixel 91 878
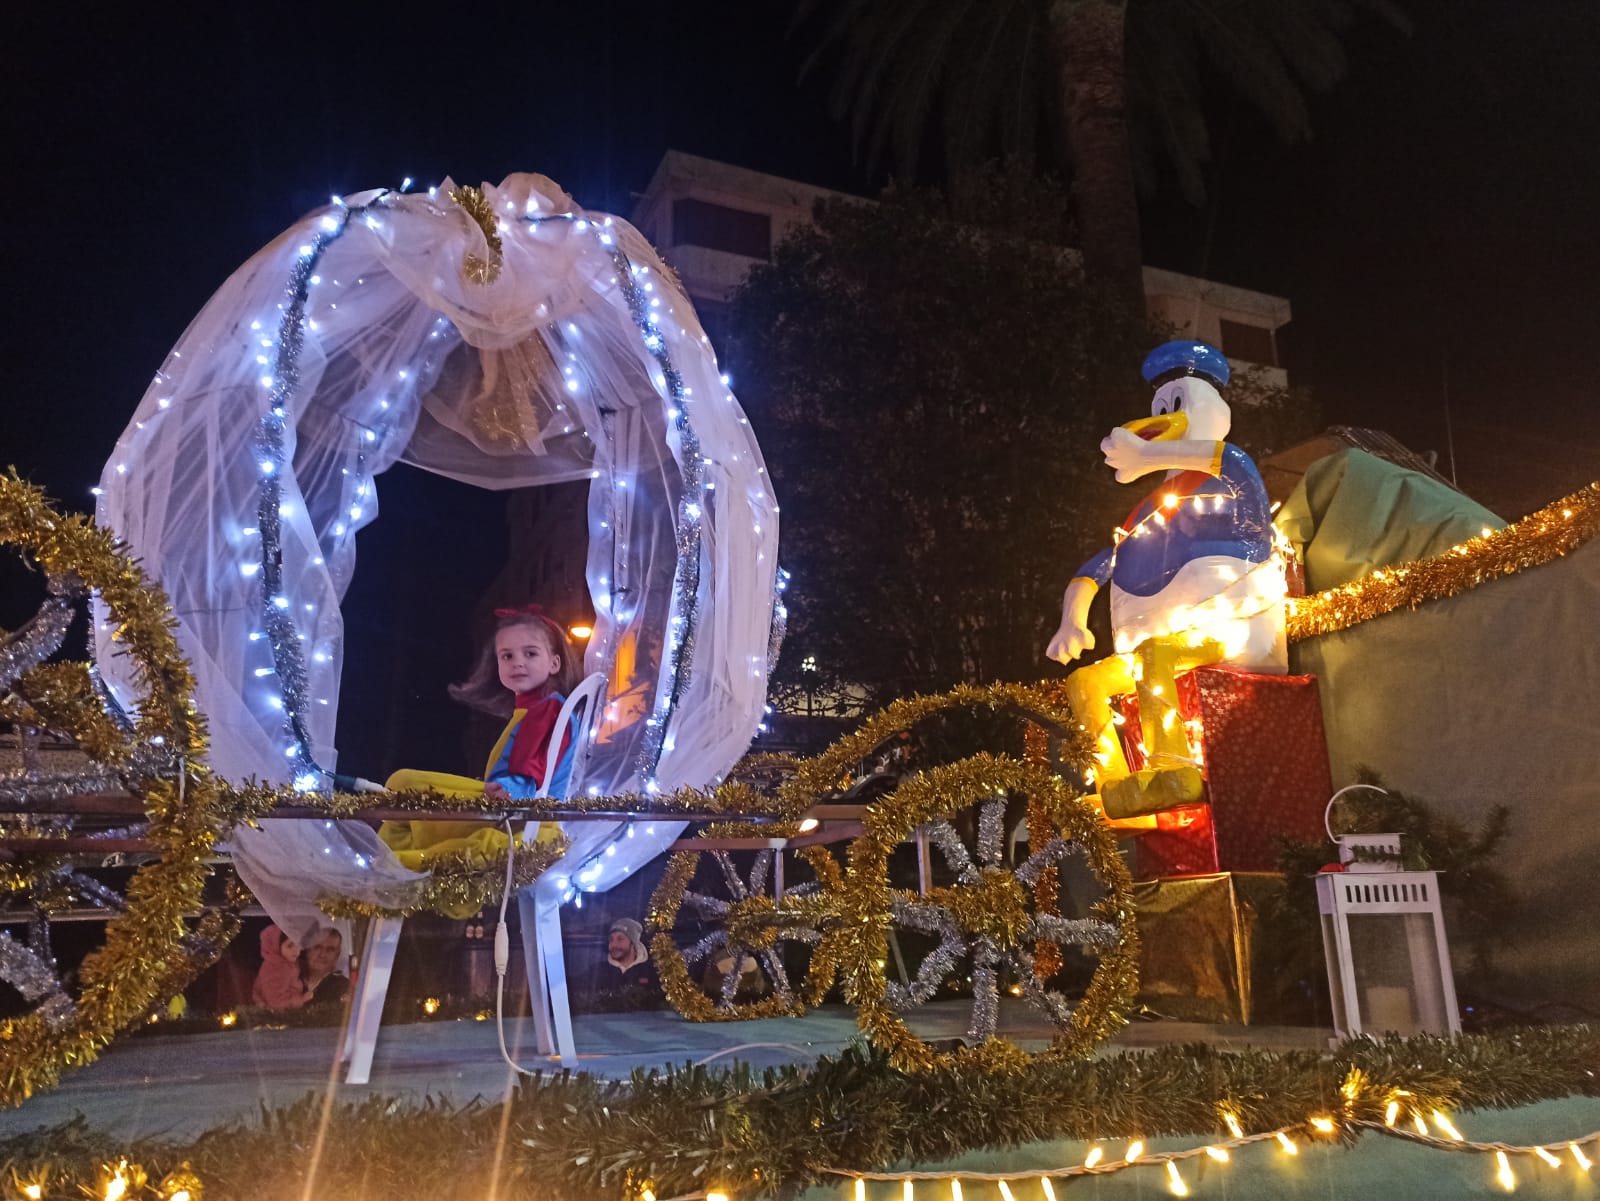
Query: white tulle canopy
pixel 500 336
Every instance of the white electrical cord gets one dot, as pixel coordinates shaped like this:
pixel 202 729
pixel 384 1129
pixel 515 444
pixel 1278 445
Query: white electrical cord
pixel 751 1047
pixel 502 957
pixel 502 960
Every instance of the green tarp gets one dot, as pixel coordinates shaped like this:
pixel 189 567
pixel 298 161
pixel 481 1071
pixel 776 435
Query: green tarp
pixel 1484 698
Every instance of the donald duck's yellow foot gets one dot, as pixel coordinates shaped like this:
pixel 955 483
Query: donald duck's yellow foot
pixel 1152 790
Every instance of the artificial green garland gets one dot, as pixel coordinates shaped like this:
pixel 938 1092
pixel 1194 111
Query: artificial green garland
pixel 768 1134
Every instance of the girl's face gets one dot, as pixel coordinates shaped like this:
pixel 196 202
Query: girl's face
pixel 524 657
pixel 289 949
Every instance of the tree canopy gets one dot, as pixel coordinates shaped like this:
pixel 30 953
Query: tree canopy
pixel 929 396
pixel 1104 91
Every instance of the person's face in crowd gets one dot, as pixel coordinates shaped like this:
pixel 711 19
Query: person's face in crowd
pixel 289 949
pixel 322 956
pixel 619 945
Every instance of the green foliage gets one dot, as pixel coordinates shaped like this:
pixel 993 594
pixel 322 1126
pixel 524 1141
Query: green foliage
pixel 980 80
pixel 1481 904
pixel 1268 418
pixel 929 396
pixel 769 1133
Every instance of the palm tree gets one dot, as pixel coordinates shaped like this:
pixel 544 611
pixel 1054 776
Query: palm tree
pixel 1106 89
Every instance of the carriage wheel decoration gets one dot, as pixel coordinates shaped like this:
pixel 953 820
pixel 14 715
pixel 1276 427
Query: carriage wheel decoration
pixel 747 926
pixel 987 917
pixel 159 933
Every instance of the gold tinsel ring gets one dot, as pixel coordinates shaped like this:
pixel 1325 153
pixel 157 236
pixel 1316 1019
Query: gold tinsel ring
pixel 682 991
pixel 866 902
pixel 144 960
pixel 829 771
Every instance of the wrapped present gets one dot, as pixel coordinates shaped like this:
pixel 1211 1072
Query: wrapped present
pixel 1198 954
pixel 1261 746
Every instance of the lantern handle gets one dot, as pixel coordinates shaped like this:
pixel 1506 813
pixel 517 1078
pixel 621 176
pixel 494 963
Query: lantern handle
pixel 1327 814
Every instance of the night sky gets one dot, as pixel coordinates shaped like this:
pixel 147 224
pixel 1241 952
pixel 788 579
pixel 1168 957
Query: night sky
pixel 1442 223
pixel 1439 233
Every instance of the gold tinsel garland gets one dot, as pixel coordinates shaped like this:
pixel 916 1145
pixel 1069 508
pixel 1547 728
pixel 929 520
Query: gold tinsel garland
pixel 143 955
pixel 816 777
pixel 252 801
pixel 457 882
pixel 681 990
pixel 840 908
pixel 1047 958
pixel 860 939
pixel 1553 531
pixel 475 267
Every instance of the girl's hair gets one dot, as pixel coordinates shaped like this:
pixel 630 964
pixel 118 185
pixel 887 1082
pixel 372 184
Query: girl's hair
pixel 482 690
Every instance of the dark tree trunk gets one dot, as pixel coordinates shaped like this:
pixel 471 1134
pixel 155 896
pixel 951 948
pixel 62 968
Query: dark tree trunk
pixel 1088 39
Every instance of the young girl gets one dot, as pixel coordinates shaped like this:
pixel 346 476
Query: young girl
pixel 524 671
pixel 278 984
pixel 532 660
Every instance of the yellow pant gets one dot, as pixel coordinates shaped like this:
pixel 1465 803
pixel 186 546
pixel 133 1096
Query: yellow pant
pixel 1151 670
pixel 418 843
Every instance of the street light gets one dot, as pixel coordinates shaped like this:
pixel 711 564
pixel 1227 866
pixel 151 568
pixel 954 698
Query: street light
pixel 810 678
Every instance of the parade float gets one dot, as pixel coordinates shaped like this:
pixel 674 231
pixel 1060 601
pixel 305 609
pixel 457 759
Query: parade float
pixel 506 338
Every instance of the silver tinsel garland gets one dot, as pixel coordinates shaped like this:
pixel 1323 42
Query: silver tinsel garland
pixel 991 831
pixel 985 990
pixel 943 835
pixel 43 633
pixel 25 970
pixel 684 614
pixel 1049 855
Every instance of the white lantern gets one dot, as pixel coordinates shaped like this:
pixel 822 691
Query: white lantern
pixel 1384 940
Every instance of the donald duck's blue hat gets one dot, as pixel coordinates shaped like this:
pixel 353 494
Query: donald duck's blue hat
pixel 1174 359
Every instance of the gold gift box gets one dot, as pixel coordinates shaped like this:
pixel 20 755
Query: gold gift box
pixel 1198 951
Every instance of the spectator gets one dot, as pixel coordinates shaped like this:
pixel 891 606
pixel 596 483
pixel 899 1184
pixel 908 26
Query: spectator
pixel 278 984
pixel 319 966
pixel 626 953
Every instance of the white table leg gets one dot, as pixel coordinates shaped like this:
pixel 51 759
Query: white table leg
pixel 367 1012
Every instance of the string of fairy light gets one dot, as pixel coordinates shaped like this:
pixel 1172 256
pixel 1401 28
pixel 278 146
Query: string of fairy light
pixel 1565 1156
pixel 123 1179
pixel 276 342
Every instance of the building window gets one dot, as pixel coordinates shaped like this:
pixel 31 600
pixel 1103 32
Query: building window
pixel 713 316
pixel 717 227
pixel 1252 343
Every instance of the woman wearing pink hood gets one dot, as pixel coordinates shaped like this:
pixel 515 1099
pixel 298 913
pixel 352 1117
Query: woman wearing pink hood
pixel 278 983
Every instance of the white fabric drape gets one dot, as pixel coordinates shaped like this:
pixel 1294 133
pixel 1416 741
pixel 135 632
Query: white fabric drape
pixel 540 375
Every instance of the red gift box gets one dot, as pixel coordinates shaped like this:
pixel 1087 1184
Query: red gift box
pixel 1265 761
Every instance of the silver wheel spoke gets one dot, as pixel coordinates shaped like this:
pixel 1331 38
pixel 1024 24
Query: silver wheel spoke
pixel 731 874
pixel 776 974
pixel 1048 856
pixel 943 835
pixel 703 947
pixel 985 991
pixel 758 872
pixel 1046 1000
pixel 1072 931
pixel 710 906
pixel 730 982
pixel 991 831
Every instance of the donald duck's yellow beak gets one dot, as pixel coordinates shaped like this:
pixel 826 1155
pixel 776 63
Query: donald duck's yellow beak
pixel 1164 427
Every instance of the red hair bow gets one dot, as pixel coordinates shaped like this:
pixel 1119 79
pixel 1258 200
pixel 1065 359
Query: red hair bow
pixel 525 611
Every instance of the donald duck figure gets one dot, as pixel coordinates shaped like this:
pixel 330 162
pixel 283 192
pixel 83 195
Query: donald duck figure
pixel 1194 579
